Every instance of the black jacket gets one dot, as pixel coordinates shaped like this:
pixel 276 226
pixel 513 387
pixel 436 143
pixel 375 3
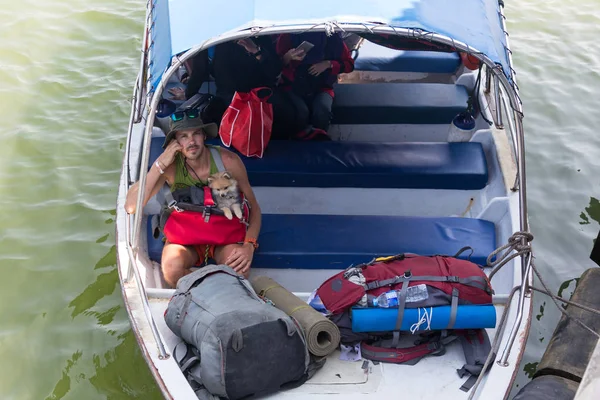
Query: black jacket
pixel 234 69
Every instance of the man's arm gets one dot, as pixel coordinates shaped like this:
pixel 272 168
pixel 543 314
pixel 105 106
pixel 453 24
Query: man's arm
pixel 154 180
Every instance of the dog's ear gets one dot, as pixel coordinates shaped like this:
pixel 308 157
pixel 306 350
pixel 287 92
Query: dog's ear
pixel 210 179
pixel 226 175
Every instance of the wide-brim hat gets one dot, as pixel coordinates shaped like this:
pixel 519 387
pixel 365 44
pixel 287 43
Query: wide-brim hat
pixel 211 129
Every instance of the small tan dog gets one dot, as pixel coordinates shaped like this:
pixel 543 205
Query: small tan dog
pixel 226 194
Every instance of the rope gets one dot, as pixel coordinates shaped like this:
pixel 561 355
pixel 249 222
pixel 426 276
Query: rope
pixel 426 318
pixel 555 298
pixel 571 303
pixel 330 27
pixel 206 254
pixel 515 242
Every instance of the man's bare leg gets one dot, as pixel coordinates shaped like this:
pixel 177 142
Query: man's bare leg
pixel 176 262
pixel 223 252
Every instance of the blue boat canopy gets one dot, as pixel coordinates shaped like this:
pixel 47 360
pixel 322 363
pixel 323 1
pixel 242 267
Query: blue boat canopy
pixel 178 25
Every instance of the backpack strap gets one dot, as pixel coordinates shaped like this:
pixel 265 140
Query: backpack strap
pixel 453 309
pixel 462 250
pixel 408 355
pixel 189 281
pixel 474 281
pixel 188 359
pixel 185 356
pixel 170 200
pixel 387 350
pixel 401 304
pixel 476 347
pixel 216 156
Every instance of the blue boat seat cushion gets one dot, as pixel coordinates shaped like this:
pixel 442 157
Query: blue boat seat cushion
pixel 398 103
pixel 365 165
pixel 337 241
pixel 373 57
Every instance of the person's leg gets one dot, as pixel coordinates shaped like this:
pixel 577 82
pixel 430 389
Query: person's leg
pixel 301 112
pixel 176 262
pixel 321 111
pixel 284 115
pixel 223 252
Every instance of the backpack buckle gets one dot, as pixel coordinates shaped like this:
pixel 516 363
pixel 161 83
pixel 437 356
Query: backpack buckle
pixel 173 206
pixel 453 279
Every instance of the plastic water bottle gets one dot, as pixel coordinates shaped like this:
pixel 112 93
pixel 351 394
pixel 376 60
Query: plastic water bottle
pixel 390 299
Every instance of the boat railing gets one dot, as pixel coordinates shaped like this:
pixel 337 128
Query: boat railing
pixel 132 270
pixel 139 85
pixel 162 352
pixel 512 105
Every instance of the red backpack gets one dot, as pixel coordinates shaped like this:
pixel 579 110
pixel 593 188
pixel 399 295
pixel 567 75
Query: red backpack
pixel 449 281
pixel 460 279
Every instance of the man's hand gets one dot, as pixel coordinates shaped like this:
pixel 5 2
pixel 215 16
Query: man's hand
pixel 178 93
pixel 320 67
pixel 293 55
pixel 240 258
pixel 168 156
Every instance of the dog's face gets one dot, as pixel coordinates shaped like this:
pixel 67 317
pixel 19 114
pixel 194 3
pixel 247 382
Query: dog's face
pixel 222 184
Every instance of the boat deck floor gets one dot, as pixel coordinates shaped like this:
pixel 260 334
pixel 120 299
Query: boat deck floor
pixel 428 378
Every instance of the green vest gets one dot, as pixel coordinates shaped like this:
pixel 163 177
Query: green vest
pixel 184 179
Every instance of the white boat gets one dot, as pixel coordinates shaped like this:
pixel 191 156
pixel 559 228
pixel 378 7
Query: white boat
pixel 413 192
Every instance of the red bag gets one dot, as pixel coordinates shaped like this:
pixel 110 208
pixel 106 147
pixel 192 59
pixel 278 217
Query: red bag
pixel 189 224
pixel 247 123
pixel 443 273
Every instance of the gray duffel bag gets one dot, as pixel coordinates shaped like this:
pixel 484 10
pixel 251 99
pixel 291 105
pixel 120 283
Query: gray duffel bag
pixel 237 345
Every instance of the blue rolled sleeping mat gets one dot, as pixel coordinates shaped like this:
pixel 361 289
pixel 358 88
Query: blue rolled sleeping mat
pixel 375 319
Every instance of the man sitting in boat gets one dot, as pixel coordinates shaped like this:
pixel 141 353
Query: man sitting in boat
pixel 187 161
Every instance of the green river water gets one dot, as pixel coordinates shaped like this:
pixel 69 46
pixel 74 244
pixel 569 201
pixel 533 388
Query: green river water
pixel 66 75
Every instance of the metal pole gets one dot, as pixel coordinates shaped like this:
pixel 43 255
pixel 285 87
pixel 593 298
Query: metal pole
pixel 140 83
pixel 499 123
pixel 128 174
pixel 521 169
pixel 508 52
pixel 512 130
pixel 162 352
pixel 515 328
pixel 129 271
